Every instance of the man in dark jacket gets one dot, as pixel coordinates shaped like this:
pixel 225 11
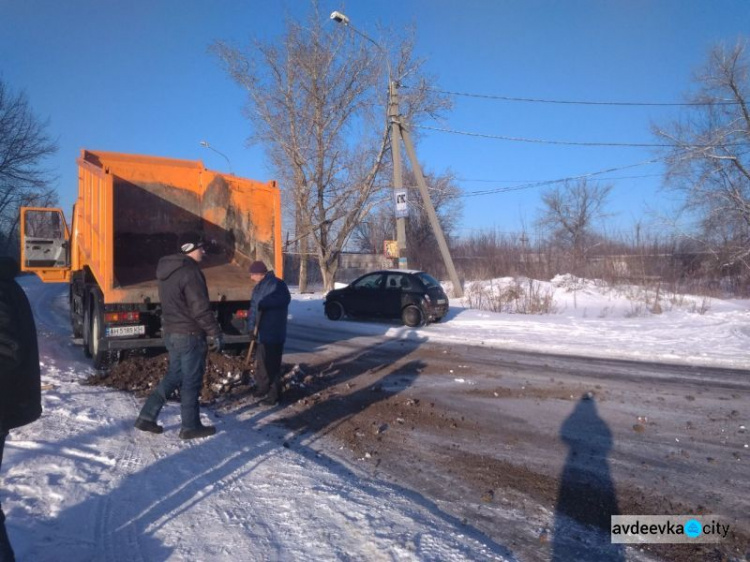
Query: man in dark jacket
pixel 269 306
pixel 190 329
pixel 20 386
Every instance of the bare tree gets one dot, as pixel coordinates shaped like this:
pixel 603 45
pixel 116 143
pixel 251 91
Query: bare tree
pixel 24 144
pixel 317 102
pixel 569 215
pixel 370 234
pixel 710 164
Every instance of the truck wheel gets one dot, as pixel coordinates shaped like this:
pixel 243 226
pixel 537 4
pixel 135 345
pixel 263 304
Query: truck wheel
pixel 412 316
pixel 102 357
pixel 75 322
pixel 334 310
pixel 87 331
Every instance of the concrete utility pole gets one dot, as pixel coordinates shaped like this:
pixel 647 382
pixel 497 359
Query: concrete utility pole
pixel 398 184
pixel 458 290
pixel 399 133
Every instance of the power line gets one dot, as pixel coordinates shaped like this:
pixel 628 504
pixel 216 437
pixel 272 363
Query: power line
pixel 573 143
pixel 552 182
pixel 475 180
pixel 529 184
pixel 577 102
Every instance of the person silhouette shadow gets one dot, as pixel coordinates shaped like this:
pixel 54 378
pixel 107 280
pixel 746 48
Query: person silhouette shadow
pixel 586 496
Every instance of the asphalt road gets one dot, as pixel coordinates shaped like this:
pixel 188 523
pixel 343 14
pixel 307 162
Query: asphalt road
pixel 537 451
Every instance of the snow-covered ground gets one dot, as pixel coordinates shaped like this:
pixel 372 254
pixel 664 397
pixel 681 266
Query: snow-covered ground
pixel 591 319
pixel 81 484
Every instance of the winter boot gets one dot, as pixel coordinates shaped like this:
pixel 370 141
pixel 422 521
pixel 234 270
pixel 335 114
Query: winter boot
pixel 259 392
pixel 273 396
pixel 148 425
pixel 198 432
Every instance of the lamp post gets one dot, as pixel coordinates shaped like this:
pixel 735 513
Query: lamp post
pixel 205 144
pixel 399 194
pixel 400 133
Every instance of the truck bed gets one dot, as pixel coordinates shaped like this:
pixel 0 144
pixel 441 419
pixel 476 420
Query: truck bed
pixel 132 210
pixel 226 281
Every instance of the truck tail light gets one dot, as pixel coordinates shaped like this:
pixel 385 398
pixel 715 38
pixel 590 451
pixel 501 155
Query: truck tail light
pixel 241 313
pixel 121 317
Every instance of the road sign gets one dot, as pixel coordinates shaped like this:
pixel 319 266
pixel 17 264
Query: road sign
pixel 402 207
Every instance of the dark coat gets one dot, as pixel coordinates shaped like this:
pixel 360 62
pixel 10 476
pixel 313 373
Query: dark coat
pixel 20 385
pixel 271 297
pixel 185 306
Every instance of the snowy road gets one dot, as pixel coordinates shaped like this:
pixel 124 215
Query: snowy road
pixel 451 442
pixel 82 485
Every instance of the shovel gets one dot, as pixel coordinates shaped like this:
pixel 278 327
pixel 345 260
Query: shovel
pixel 249 362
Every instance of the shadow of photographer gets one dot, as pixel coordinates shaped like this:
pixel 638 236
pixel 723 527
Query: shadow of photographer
pixel 587 494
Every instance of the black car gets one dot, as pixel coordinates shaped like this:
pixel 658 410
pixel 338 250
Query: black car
pixel 414 296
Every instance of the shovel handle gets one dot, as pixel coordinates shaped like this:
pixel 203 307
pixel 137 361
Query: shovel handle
pixel 251 348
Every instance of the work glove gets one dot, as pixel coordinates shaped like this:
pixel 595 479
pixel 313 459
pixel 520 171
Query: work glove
pixel 215 343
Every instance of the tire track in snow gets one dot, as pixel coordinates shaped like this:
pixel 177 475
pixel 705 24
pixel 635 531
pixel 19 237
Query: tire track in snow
pixel 295 509
pixel 86 434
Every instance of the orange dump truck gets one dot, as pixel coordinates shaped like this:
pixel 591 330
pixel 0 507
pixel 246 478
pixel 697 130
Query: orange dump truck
pixel 129 213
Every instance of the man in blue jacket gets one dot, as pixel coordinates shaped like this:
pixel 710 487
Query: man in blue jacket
pixel 20 384
pixel 269 307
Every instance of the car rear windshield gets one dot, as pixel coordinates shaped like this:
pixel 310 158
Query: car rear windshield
pixel 429 281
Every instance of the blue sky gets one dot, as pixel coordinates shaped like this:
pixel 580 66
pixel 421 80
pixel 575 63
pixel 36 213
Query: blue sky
pixel 136 77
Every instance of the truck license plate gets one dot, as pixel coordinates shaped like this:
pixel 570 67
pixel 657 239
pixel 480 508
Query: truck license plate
pixel 114 331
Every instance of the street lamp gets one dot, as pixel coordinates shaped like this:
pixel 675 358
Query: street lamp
pixel 338 17
pixel 400 133
pixel 205 144
pixel 394 123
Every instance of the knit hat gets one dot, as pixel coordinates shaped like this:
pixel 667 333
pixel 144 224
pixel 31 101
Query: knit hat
pixel 258 267
pixel 190 241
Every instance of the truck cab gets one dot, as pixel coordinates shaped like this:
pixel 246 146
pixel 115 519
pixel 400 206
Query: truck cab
pixel 45 246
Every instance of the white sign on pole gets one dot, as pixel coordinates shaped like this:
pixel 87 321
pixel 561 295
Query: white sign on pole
pixel 402 207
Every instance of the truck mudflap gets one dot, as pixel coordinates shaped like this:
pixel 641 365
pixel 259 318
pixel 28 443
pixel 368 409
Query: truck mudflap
pixel 115 344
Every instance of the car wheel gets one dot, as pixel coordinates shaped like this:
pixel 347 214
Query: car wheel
pixel 412 316
pixel 334 310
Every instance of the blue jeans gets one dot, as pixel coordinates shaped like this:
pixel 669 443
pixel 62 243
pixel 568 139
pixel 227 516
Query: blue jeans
pixel 187 363
pixel 6 552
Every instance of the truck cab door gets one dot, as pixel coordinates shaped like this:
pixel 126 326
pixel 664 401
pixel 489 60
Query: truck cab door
pixel 45 244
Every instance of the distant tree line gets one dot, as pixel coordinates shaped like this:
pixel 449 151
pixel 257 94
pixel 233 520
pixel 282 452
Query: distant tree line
pixel 679 264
